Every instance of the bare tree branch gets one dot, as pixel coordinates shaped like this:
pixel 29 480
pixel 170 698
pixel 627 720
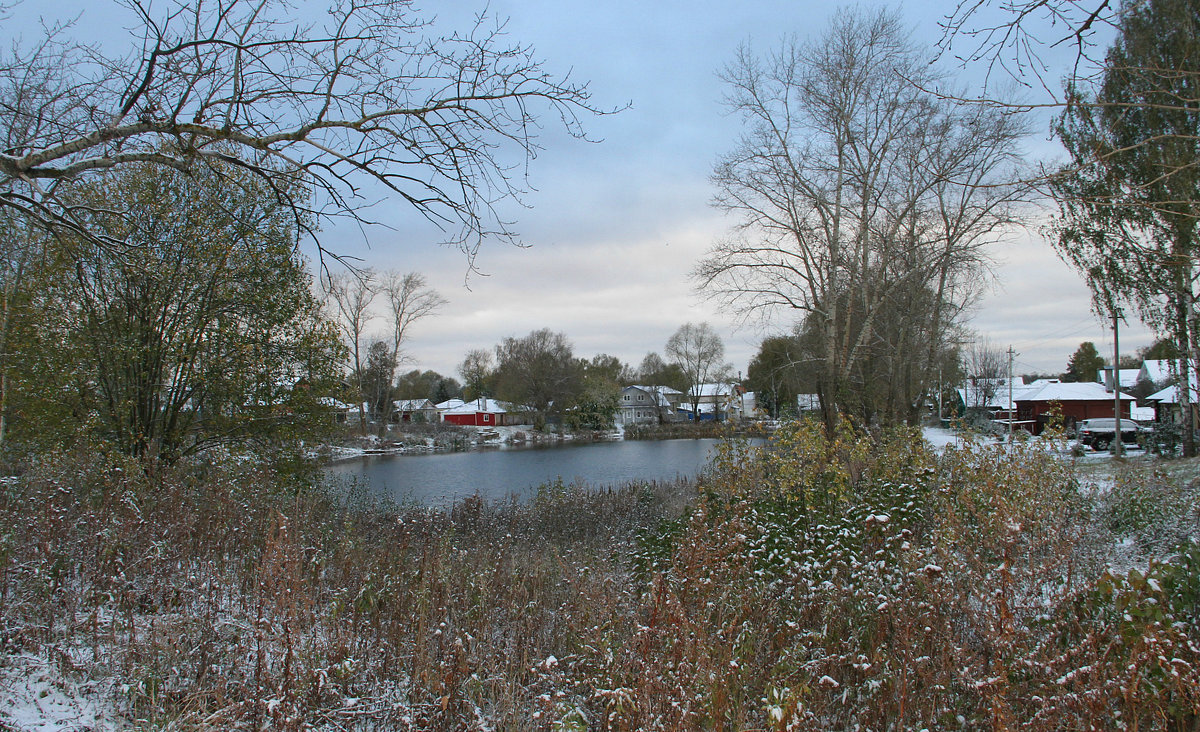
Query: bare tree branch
pixel 365 96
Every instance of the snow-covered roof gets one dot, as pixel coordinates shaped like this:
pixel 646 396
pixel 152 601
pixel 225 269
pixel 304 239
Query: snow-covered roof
pixel 1156 370
pixel 412 405
pixel 1128 377
pixel 708 390
pixel 658 394
pixel 976 392
pixel 655 387
pixel 482 404
pixel 1170 394
pixel 450 404
pixel 1055 391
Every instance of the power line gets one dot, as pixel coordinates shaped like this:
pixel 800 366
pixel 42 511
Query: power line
pixel 1062 332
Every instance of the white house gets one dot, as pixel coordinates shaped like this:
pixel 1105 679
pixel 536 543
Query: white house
pixel 717 401
pixel 414 410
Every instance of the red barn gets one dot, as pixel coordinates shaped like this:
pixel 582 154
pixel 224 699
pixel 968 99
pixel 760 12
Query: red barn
pixel 481 412
pixel 1074 402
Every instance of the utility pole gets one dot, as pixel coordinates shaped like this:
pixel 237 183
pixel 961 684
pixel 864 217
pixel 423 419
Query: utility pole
pixel 1012 408
pixel 1116 382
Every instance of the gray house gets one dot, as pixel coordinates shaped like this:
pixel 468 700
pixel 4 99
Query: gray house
pixel 647 404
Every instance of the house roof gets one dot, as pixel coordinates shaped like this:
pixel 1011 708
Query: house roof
pixel 1128 377
pixel 655 387
pixel 1170 395
pixel 482 404
pixel 975 393
pixel 657 393
pixel 718 389
pixel 1156 370
pixel 1055 391
pixel 412 405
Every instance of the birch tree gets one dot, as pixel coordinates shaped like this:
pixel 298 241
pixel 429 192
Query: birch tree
pixel 699 353
pixel 348 297
pixel 1128 208
pixel 410 299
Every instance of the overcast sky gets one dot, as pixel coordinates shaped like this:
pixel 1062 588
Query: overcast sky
pixel 615 226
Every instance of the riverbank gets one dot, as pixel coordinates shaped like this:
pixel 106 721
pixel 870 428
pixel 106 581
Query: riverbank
pixel 414 439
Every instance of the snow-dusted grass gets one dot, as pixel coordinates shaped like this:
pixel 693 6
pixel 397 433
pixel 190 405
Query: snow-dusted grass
pixel 814 584
pixel 35 697
pixel 215 598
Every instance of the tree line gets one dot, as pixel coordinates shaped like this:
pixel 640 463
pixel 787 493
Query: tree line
pixel 539 371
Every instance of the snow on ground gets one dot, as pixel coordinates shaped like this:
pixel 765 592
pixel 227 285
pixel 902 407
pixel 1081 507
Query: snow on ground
pixel 940 437
pixel 34 697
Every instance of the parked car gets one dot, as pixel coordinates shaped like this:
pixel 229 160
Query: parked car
pixel 1098 433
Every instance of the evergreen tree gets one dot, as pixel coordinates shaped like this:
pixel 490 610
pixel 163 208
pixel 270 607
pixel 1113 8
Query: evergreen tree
pixel 1128 209
pixel 1084 363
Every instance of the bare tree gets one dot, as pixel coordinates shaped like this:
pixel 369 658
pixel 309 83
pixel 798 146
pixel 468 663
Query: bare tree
pixel 865 202
pixel 476 370
pixel 538 371
pixel 409 300
pixel 363 92
pixel 1017 40
pixel 348 297
pixel 699 352
pixel 986 367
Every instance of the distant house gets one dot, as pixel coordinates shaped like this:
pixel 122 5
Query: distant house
pixel 481 412
pixel 752 409
pixel 443 407
pixel 990 395
pixel 414 410
pixel 716 401
pixel 647 404
pixel 1128 377
pixel 1159 372
pixel 704 412
pixel 344 413
pixel 1166 403
pixel 808 403
pixel 1037 402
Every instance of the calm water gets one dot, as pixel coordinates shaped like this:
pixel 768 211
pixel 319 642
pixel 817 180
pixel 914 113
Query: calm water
pixel 440 478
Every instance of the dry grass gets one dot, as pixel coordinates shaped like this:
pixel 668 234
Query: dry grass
pixel 817 584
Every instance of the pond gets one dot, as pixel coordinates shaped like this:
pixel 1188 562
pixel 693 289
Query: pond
pixel 440 478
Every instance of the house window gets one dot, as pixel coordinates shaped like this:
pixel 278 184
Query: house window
pixel 641 397
pixel 487 418
pixel 626 397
